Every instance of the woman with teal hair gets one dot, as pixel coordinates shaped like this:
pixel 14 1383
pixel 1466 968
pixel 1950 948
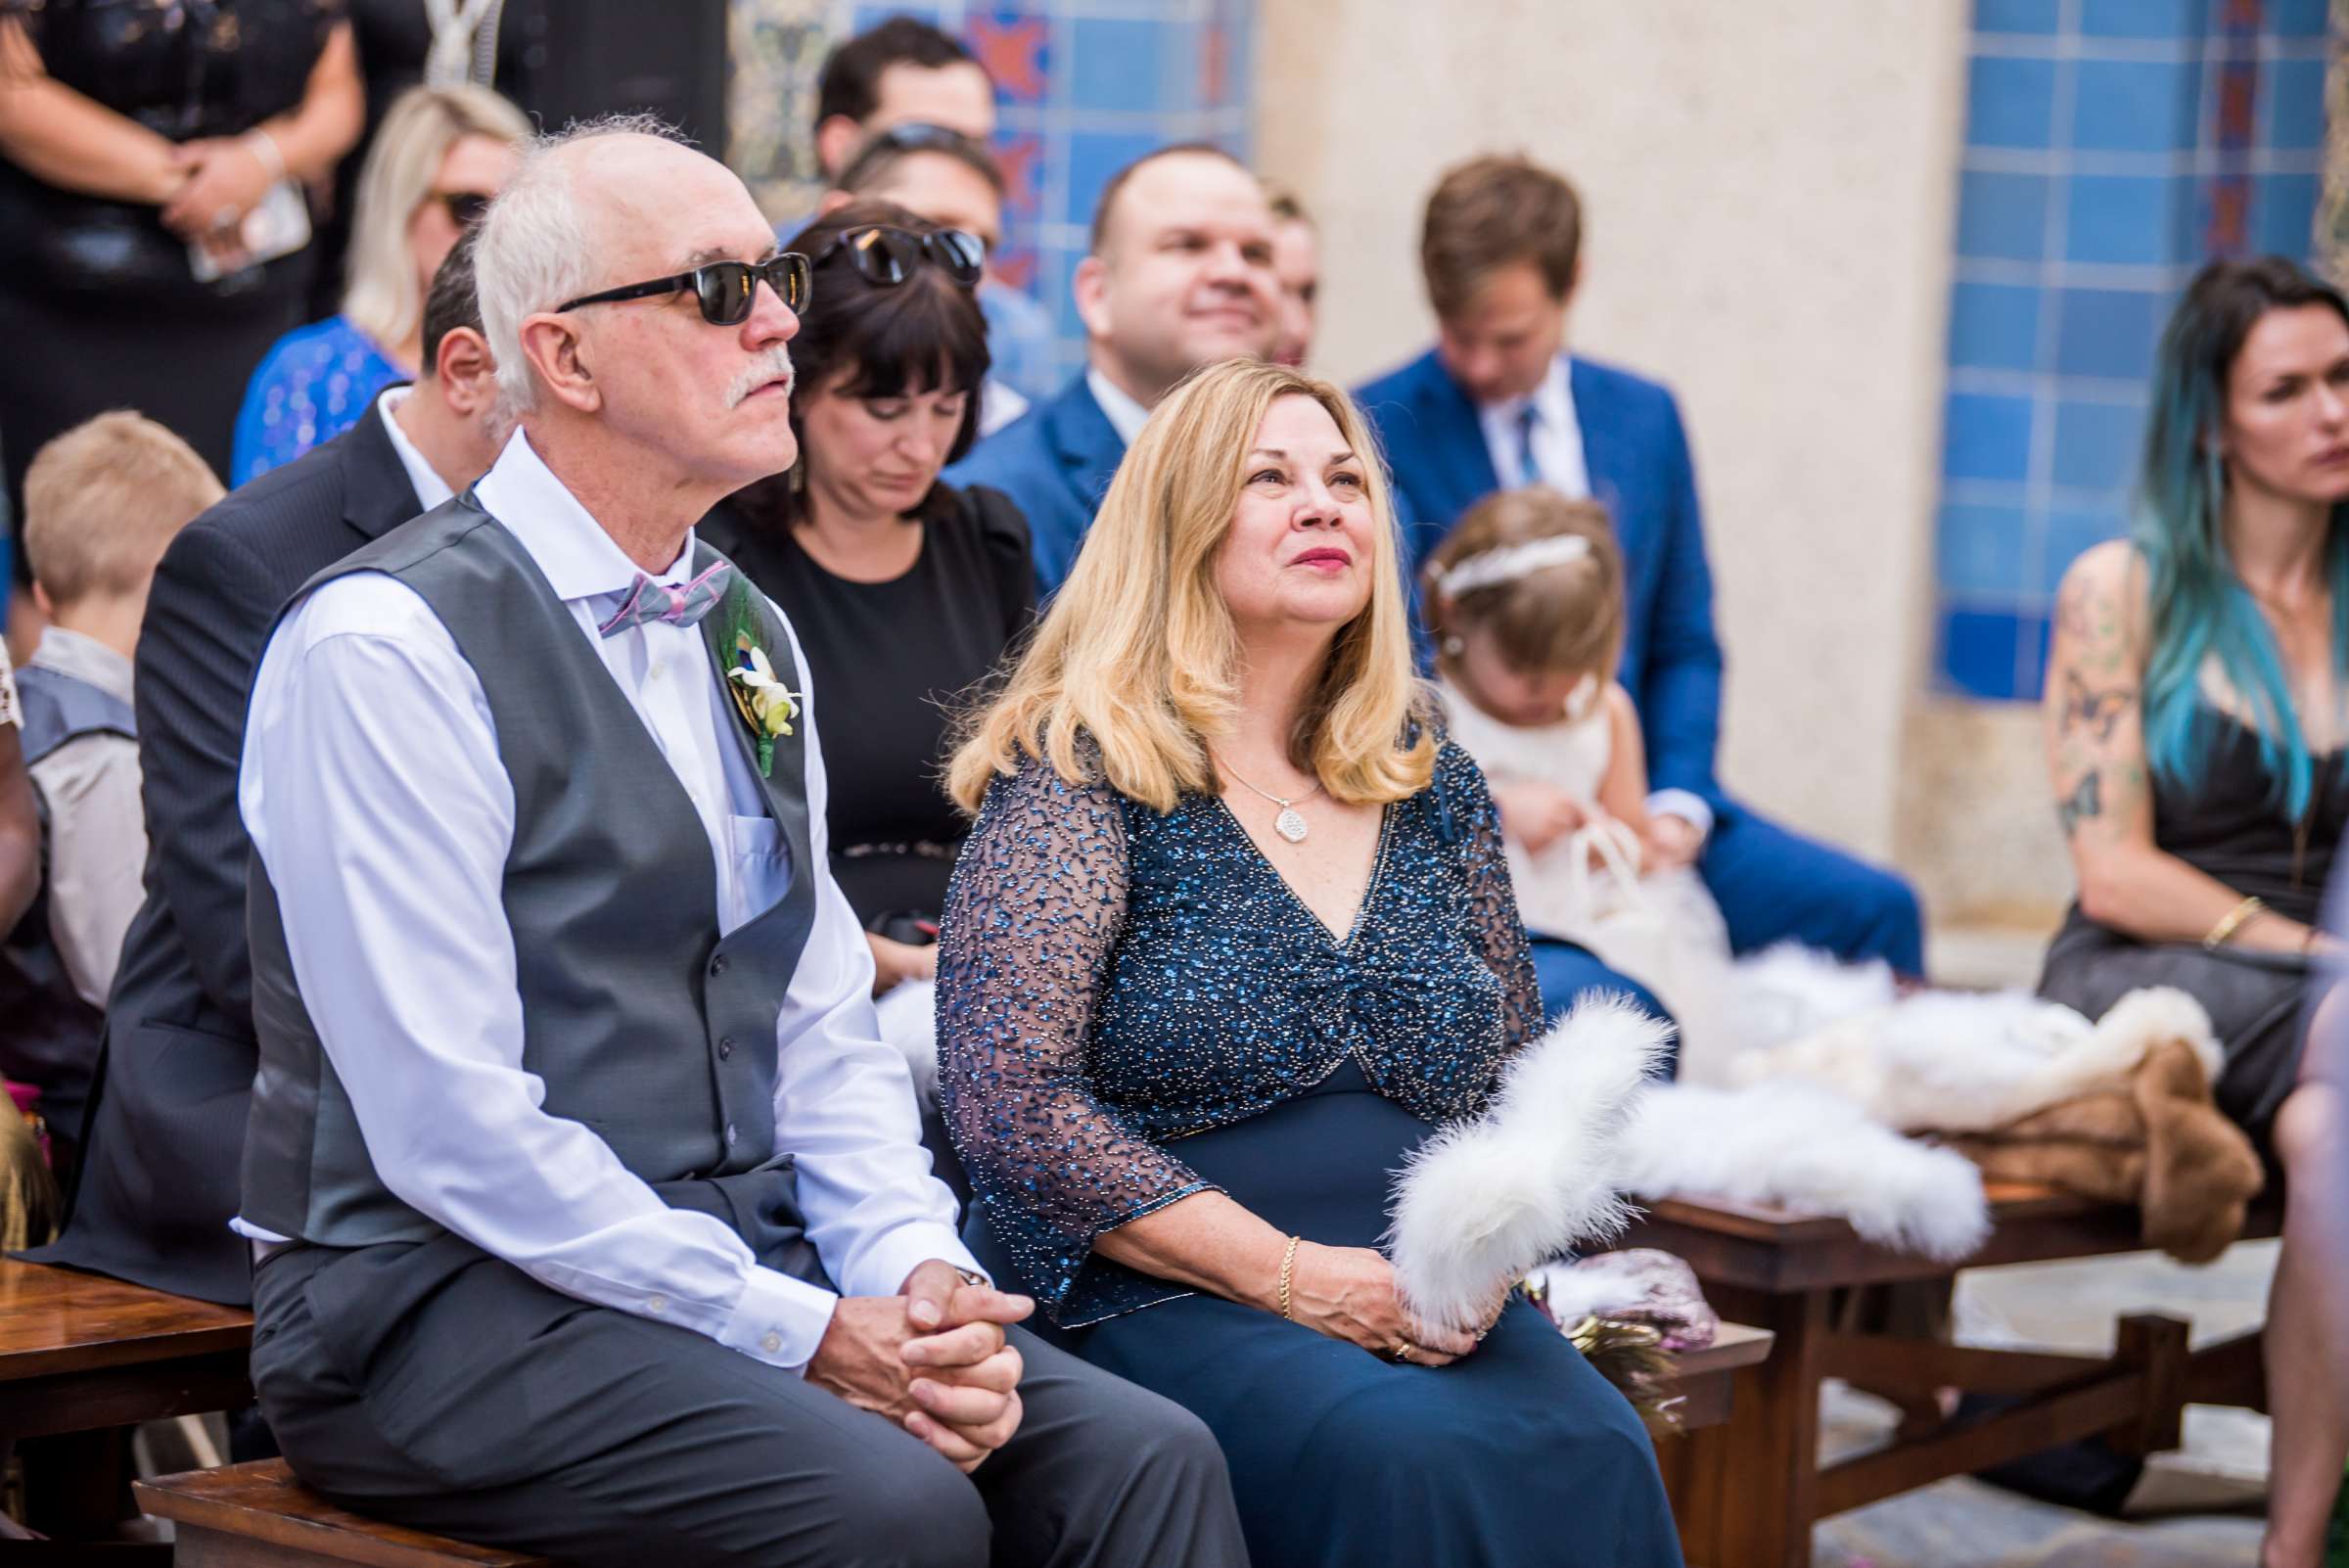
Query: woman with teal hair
pixel 2197 709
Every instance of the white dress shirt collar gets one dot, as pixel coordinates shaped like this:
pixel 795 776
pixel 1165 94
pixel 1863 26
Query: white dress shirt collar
pixel 1557 436
pixel 1126 416
pixel 580 558
pixel 430 488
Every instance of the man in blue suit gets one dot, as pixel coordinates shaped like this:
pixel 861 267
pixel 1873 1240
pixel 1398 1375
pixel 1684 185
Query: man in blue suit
pixel 1499 403
pixel 1180 276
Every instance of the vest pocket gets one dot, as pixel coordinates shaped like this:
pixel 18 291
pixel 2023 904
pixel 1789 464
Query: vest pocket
pixel 762 868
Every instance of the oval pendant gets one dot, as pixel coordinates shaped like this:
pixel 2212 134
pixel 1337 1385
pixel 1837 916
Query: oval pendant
pixel 1290 824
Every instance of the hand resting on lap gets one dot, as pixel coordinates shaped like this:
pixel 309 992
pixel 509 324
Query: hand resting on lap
pixel 1349 1293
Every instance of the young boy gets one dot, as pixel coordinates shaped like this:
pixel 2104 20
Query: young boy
pixel 101 503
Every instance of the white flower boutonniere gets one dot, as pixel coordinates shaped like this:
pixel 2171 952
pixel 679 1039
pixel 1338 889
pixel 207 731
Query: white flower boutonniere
pixel 764 701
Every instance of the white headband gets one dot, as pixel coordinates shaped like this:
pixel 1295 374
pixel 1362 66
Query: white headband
pixel 1511 562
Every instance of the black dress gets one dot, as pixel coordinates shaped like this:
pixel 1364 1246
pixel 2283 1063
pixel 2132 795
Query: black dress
pixel 98 306
pixel 891 664
pixel 2233 826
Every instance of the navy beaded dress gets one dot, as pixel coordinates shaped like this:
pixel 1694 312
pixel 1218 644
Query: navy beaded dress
pixel 1135 1007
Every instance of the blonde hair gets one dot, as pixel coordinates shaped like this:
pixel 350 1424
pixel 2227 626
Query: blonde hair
pixel 1138 651
pixel 382 294
pixel 103 500
pixel 1566 616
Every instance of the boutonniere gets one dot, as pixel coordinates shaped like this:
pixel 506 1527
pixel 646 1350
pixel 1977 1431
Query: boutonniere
pixel 765 704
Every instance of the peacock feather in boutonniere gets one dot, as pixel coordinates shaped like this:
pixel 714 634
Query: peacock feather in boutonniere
pixel 765 704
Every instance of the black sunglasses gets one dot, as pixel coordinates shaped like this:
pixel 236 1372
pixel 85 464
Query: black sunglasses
pixel 884 256
pixel 465 207
pixel 724 290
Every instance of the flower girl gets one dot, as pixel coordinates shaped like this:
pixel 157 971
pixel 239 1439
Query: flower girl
pixel 1525 598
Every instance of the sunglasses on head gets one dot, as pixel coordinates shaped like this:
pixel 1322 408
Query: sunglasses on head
pixel 884 255
pixel 724 290
pixel 464 207
pixel 917 137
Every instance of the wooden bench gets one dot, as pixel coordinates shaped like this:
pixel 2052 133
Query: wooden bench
pixel 1748 1490
pixel 259 1516
pixel 1707 1380
pixel 81 1355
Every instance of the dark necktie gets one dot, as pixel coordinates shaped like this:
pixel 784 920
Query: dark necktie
pixel 1528 469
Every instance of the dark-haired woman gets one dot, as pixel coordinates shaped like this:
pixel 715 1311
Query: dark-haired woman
pixel 2198 712
pixel 904 592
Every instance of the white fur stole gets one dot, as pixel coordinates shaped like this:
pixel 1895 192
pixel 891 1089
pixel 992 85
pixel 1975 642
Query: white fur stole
pixel 1483 1203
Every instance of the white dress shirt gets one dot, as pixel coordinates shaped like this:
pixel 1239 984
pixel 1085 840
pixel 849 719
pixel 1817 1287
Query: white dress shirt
pixel 430 488
pixel 1126 416
pixel 372 789
pixel 1556 440
pixel 1557 436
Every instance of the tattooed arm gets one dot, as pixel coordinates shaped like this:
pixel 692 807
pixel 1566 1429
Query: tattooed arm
pixel 2096 754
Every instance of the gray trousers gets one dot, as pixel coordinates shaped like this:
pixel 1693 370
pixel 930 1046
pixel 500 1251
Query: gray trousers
pixel 435 1387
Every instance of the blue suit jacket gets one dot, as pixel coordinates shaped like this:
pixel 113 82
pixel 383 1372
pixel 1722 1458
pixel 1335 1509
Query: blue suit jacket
pixel 1637 456
pixel 1056 462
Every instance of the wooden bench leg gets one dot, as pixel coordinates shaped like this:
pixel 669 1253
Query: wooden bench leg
pixel 78 1485
pixel 1749 1489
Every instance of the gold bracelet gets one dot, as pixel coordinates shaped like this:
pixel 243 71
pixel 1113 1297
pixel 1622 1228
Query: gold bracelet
pixel 1288 1270
pixel 2232 920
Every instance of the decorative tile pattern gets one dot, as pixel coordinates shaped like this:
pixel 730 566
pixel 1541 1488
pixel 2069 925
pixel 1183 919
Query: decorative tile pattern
pixel 774 49
pixel 1083 87
pixel 2112 147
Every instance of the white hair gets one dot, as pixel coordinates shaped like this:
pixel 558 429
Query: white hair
pixel 534 252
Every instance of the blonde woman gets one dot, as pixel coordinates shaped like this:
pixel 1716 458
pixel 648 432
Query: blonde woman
pixel 1231 935
pixel 441 156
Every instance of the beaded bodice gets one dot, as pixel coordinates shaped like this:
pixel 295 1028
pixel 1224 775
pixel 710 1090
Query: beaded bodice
pixel 1111 978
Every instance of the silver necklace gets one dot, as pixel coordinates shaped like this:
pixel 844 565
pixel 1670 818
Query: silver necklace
pixel 1290 824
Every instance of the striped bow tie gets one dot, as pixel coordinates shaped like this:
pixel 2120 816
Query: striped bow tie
pixel 683 605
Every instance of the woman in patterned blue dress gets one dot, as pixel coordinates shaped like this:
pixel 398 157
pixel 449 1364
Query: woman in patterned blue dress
pixel 439 157
pixel 1231 936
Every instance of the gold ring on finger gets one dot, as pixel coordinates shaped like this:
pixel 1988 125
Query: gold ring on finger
pixel 1405 1350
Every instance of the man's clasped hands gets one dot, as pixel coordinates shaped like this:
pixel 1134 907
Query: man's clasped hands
pixel 934 1358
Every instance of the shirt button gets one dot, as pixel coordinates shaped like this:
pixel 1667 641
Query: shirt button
pixel 730 1134
pixel 725 1048
pixel 657 1304
pixel 771 1343
pixel 718 965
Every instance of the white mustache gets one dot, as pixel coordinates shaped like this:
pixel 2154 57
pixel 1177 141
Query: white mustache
pixel 772 365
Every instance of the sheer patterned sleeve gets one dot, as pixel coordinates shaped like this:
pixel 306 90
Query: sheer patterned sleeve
pixel 1032 919
pixel 1495 928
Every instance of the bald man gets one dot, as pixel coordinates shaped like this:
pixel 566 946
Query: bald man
pixel 589 1212
pixel 1180 277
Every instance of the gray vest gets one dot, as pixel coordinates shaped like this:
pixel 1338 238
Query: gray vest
pixel 50 1036
pixel 645 1028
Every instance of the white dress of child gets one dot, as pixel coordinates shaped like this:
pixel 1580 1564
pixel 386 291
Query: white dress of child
pixel 1662 929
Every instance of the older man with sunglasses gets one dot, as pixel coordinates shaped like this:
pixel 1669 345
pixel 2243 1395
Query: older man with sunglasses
pixel 588 1209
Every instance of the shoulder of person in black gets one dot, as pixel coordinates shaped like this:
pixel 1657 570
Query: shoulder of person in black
pixel 746 529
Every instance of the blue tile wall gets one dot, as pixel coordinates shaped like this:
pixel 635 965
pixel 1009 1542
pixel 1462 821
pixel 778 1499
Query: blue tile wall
pixel 2112 146
pixel 2016 16
pixel 1994 326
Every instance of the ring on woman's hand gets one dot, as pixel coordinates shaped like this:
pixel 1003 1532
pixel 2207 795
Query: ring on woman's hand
pixel 1405 1350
